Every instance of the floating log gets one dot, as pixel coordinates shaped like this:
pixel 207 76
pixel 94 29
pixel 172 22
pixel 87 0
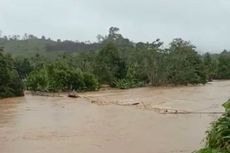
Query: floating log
pixel 135 104
pixel 73 95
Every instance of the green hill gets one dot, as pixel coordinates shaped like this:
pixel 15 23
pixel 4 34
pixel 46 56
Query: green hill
pixel 31 46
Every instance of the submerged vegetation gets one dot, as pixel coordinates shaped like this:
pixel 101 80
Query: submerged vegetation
pixel 51 66
pixel 218 137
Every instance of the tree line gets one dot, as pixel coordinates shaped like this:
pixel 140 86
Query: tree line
pixel 120 63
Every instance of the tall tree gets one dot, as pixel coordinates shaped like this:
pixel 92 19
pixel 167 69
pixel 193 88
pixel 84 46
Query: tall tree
pixel 186 66
pixel 210 66
pixel 109 65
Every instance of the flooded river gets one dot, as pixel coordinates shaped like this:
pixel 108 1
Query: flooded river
pixel 106 122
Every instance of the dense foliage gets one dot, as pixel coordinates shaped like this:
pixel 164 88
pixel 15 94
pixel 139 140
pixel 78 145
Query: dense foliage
pixel 60 77
pixel 223 68
pixel 218 138
pixel 10 82
pixel 48 65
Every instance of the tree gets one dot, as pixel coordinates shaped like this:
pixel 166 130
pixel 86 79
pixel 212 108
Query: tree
pixel 10 83
pixel 186 66
pixel 113 33
pixel 223 70
pixel 210 66
pixel 23 66
pixel 109 65
pixel 155 63
pixel 4 75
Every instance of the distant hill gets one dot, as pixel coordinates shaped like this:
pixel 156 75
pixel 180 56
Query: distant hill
pixel 32 45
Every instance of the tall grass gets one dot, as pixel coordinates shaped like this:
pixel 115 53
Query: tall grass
pixel 218 137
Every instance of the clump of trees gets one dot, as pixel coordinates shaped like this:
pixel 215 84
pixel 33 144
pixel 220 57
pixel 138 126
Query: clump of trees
pixel 186 64
pixel 59 76
pixel 218 138
pixel 10 82
pixel 148 63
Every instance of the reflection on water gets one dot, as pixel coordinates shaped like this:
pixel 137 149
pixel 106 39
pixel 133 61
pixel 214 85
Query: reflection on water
pixel 34 124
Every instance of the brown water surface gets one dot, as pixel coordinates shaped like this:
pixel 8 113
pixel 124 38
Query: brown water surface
pixel 35 124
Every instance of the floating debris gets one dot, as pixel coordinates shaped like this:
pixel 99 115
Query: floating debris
pixel 73 95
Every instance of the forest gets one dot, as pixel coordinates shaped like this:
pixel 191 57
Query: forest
pixel 42 64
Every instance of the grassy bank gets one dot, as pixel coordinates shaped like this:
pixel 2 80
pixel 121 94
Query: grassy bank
pixel 218 137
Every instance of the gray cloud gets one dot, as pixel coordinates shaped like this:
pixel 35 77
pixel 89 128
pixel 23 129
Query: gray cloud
pixel 204 22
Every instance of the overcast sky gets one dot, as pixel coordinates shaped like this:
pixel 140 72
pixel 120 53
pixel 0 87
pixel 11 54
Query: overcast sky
pixel 206 23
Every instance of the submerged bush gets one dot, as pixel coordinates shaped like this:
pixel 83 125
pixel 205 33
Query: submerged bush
pixel 126 84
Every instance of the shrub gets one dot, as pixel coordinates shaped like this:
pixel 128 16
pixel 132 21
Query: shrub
pixel 58 77
pixel 91 83
pixel 218 138
pixel 37 80
pixel 227 105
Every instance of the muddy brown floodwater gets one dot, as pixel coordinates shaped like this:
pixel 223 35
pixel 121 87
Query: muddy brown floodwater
pixel 34 124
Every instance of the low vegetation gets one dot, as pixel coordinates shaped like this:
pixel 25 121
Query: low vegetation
pixel 218 137
pixel 227 105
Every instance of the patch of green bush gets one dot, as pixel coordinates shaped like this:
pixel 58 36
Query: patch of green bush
pixel 60 77
pixel 227 105
pixel 90 81
pixel 218 137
